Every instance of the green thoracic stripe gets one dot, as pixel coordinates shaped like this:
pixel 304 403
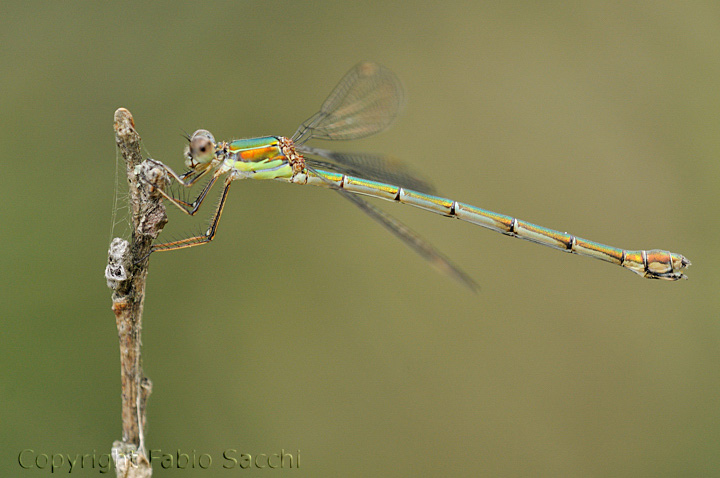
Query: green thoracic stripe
pixel 253 143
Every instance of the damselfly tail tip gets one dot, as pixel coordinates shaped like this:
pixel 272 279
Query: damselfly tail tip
pixel 685 263
pixel 660 264
pixel 681 264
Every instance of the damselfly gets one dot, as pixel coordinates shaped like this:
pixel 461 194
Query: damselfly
pixel 365 102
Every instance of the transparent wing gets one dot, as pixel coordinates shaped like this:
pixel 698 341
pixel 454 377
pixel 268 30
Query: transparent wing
pixel 375 167
pixel 365 102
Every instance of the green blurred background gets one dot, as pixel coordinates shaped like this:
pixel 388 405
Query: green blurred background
pixel 305 326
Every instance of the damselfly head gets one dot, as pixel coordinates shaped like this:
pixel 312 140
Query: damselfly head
pixel 201 149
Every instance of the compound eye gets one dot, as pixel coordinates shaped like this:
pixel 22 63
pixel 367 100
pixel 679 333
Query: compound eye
pixel 202 146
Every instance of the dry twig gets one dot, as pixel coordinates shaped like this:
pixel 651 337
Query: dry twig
pixel 126 274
